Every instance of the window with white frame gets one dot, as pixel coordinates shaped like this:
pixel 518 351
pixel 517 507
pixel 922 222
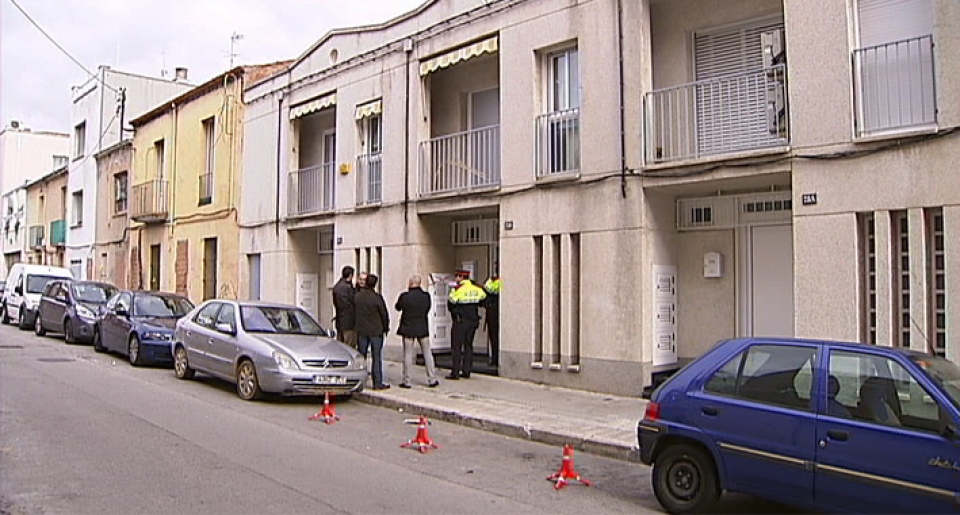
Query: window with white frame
pixel 558 130
pixel 159 152
pixel 120 185
pixel 937 278
pixel 79 139
pixel 369 162
pixel 77 208
pixel 206 179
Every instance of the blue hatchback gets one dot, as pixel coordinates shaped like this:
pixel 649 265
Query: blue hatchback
pixel 818 424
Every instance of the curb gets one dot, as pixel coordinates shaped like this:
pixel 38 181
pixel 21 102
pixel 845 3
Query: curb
pixel 510 429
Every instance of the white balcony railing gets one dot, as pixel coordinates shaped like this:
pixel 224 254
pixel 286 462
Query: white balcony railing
pixel 558 143
pixel 311 190
pixel 460 162
pixel 369 179
pixel 895 86
pixel 150 201
pixel 724 115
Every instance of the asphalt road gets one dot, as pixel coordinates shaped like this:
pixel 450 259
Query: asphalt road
pixel 82 432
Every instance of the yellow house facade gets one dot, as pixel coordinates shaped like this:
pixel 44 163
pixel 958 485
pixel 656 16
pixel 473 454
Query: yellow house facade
pixel 46 219
pixel 185 189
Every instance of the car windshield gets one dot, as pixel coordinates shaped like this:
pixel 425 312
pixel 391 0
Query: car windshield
pixel 92 292
pixel 943 372
pixel 36 283
pixel 269 319
pixel 165 306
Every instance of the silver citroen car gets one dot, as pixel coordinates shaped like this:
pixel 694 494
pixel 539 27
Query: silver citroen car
pixel 265 348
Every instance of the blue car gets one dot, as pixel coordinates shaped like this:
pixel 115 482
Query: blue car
pixel 831 426
pixel 139 325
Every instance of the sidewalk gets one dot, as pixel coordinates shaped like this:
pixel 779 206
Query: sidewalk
pixel 592 422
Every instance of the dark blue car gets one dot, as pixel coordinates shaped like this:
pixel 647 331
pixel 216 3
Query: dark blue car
pixel 841 427
pixel 139 325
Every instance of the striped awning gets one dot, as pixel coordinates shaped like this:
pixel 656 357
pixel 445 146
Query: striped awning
pixel 487 46
pixel 313 106
pixel 369 109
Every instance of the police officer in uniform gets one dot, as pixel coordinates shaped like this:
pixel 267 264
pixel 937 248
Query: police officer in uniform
pixel 491 306
pixel 464 306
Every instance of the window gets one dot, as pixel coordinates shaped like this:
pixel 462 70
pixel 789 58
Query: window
pixel 558 131
pixel 369 163
pixel 79 140
pixel 724 381
pixel 120 186
pixel 77 207
pixel 937 280
pixel 780 375
pixel 866 228
pixel 208 315
pixel 159 152
pixel 900 227
pixel 60 162
pixel 226 315
pixel 206 179
pixel 564 80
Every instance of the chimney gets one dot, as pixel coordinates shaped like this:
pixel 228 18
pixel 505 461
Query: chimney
pixel 180 74
pixel 14 124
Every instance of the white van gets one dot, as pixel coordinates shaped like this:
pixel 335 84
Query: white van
pixel 21 296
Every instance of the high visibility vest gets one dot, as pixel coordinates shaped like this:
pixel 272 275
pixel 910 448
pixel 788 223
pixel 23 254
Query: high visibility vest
pixel 467 293
pixel 493 286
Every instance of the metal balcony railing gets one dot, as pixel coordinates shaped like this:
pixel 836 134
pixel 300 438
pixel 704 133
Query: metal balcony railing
pixel 558 142
pixel 460 162
pixel 895 86
pixel 58 233
pixel 35 236
pixel 311 190
pixel 724 115
pixel 206 189
pixel 150 201
pixel 369 179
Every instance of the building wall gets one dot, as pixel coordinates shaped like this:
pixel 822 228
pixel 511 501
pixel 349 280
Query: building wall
pixel 43 212
pixel 112 238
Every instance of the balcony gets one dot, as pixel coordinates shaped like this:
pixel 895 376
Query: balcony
pixel 726 115
pixel 894 84
pixel 460 162
pixel 150 201
pixel 58 233
pixel 311 190
pixel 369 179
pixel 206 189
pixel 35 237
pixel 558 143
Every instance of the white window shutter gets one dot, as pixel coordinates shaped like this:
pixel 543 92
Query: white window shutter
pixel 886 21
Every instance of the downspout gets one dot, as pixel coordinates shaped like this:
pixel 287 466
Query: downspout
pixel 279 129
pixel 623 134
pixel 408 48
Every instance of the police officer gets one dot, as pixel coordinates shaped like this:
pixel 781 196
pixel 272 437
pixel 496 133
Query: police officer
pixel 491 306
pixel 464 306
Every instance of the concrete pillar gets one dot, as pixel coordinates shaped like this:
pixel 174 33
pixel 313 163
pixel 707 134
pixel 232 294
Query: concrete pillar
pixel 919 292
pixel 884 259
pixel 951 241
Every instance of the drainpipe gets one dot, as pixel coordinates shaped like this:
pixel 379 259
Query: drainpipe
pixel 407 48
pixel 279 129
pixel 623 135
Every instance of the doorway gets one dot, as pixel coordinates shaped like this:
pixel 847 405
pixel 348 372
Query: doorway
pixel 769 281
pixel 209 268
pixel 155 267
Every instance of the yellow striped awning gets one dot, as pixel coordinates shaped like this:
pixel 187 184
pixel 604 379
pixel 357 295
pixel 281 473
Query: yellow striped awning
pixel 369 109
pixel 487 46
pixel 313 106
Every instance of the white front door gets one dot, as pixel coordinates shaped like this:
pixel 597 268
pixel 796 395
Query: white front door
pixel 770 276
pixel 440 321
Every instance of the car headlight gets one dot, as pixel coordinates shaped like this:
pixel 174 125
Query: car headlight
pixel 85 313
pixel 157 336
pixel 284 361
pixel 359 363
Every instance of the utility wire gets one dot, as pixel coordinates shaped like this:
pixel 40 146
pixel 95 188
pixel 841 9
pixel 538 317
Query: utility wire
pixel 50 38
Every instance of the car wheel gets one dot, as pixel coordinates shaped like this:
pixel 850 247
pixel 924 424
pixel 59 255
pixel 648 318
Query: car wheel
pixel 38 326
pixel 4 318
pixel 22 319
pixel 134 351
pixel 685 480
pixel 68 332
pixel 97 343
pixel 248 386
pixel 181 366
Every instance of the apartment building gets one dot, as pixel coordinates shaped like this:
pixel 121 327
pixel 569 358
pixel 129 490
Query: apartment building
pixel 185 188
pixel 112 239
pixel 46 219
pixel 647 177
pixel 102 109
pixel 25 156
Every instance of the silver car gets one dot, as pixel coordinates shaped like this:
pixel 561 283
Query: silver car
pixel 265 348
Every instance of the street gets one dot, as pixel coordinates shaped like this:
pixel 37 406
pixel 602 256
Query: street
pixel 82 432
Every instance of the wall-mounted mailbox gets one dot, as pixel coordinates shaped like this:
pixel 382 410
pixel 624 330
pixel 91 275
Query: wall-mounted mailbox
pixel 712 265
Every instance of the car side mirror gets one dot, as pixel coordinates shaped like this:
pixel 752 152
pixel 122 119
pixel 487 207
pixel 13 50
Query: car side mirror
pixel 18 290
pixel 227 329
pixel 331 333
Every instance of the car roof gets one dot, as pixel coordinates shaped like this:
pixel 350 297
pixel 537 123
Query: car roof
pixel 854 346
pixel 154 293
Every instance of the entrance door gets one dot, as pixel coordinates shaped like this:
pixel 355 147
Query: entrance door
pixel 440 321
pixel 209 268
pixel 154 267
pixel 770 276
pixel 485 145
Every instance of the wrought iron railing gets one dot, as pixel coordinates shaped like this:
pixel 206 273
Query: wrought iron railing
pixel 369 179
pixel 558 142
pixel 895 86
pixel 735 113
pixel 35 236
pixel 460 162
pixel 150 201
pixel 311 190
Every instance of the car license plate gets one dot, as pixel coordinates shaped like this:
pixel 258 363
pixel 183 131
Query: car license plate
pixel 329 380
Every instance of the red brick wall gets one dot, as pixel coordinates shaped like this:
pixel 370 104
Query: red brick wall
pixel 133 281
pixel 182 266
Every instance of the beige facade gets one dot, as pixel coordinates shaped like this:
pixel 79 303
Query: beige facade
pixel 112 244
pixel 639 173
pixel 46 219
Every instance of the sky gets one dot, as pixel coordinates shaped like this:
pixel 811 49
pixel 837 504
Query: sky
pixel 147 36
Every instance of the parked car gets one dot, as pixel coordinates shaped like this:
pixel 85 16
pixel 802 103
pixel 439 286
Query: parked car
pixel 831 426
pixel 139 325
pixel 20 300
pixel 71 308
pixel 265 348
pixel 2 284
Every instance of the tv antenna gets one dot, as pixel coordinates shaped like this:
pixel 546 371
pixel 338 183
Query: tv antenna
pixel 233 40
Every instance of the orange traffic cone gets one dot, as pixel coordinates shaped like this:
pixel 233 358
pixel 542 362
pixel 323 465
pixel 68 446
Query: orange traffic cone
pixel 422 440
pixel 566 472
pixel 328 413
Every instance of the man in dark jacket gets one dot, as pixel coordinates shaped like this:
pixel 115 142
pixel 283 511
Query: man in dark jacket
pixel 373 322
pixel 464 304
pixel 345 320
pixel 414 305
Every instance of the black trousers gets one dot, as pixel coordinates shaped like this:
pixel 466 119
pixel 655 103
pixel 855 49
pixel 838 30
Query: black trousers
pixel 493 329
pixel 461 346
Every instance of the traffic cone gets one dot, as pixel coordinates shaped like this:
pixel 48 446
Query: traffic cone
pixel 566 472
pixel 422 440
pixel 328 412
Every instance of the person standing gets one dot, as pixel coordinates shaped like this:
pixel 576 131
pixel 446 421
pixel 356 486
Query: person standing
pixel 464 306
pixel 345 320
pixel 491 307
pixel 373 322
pixel 414 306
